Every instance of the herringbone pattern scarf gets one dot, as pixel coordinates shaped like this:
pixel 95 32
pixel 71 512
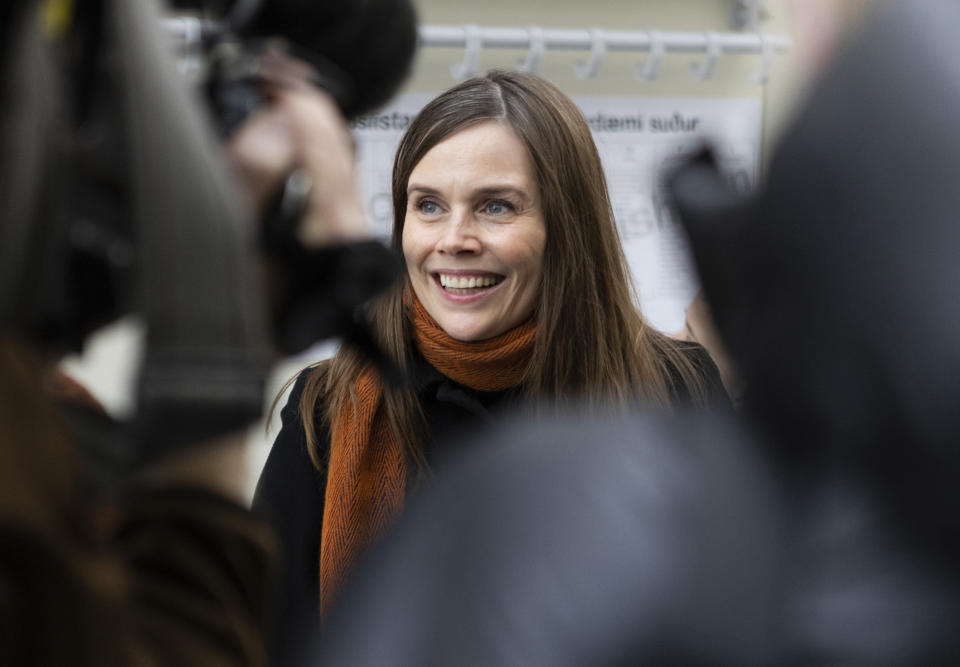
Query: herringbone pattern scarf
pixel 367 473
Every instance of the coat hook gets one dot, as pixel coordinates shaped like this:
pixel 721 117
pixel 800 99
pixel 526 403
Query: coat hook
pixel 531 63
pixel 704 70
pixel 471 55
pixel 763 75
pixel 598 50
pixel 651 68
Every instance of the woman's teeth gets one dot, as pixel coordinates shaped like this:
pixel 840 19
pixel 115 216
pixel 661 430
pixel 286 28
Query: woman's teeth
pixel 468 282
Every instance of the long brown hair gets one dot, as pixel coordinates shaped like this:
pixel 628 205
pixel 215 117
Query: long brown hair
pixel 592 344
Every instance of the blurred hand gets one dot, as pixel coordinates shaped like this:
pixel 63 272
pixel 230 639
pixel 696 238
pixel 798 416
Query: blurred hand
pixel 301 128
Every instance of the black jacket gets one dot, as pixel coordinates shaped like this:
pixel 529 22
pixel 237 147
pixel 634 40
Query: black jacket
pixel 291 491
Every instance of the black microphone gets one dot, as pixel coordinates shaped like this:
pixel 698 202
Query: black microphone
pixel 364 47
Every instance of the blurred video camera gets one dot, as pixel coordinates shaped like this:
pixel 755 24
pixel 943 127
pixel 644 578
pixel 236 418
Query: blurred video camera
pixel 116 202
pixel 71 257
pixel 359 52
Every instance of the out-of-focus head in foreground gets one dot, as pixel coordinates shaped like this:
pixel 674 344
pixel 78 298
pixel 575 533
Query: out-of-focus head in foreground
pixel 835 287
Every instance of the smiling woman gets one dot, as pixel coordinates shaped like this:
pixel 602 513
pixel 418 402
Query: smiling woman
pixel 473 233
pixel 516 292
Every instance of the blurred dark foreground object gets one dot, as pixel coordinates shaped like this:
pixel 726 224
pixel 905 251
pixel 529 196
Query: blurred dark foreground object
pixel 360 51
pixel 822 526
pixel 370 44
pixel 836 287
pixel 117 202
pixel 575 542
pixel 100 152
pixel 157 574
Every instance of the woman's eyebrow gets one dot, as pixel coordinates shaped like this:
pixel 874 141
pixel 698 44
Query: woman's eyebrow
pixel 426 189
pixel 495 190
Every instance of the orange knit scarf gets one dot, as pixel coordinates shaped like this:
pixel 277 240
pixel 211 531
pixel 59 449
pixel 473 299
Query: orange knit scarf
pixel 367 473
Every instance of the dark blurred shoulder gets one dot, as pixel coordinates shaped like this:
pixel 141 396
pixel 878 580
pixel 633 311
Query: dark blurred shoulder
pixel 714 394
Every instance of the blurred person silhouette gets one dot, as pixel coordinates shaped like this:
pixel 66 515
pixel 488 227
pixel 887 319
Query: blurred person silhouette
pixel 817 25
pixel 517 290
pixel 129 543
pixel 818 526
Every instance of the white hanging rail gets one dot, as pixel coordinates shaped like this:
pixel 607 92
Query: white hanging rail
pixel 538 40
pixel 452 36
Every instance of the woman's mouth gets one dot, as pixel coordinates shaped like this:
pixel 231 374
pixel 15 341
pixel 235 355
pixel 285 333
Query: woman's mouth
pixel 467 284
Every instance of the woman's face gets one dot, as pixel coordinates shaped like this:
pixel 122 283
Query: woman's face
pixel 474 234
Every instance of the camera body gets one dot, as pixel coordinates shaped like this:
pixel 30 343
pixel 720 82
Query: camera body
pixel 232 85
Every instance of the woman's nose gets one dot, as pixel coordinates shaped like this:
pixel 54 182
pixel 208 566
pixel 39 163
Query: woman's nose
pixel 459 235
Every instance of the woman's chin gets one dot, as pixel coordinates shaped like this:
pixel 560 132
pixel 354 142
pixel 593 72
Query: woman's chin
pixel 469 329
pixel 467 334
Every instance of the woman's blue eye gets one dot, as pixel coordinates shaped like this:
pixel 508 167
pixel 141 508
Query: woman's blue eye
pixel 428 207
pixel 499 207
